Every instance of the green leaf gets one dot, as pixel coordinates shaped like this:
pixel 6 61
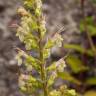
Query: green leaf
pixel 33 62
pixel 92 30
pixel 52 67
pixel 90 25
pixel 90 93
pixel 55 93
pixel 46 53
pixel 28 83
pixel 68 77
pixel 71 92
pixel 76 64
pixel 89 21
pixel 23 89
pixel 91 81
pixel 80 49
pixel 28 3
pixel 94 1
pixel 75 47
pixel 30 44
pixel 49 44
pixel 90 52
pixel 52 78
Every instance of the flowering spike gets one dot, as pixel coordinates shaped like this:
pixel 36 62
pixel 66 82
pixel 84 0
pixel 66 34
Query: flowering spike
pixel 31 31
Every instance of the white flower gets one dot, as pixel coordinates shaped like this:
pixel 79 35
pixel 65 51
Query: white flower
pixel 60 65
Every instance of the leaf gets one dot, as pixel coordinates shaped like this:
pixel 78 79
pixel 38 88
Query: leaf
pixel 92 30
pixel 23 89
pixel 38 11
pixel 94 1
pixel 52 67
pixel 72 92
pixel 68 77
pixel 90 25
pixel 91 81
pixel 33 62
pixel 54 93
pixel 75 47
pixel 31 44
pixel 80 49
pixel 30 83
pixel 49 44
pixel 76 64
pixel 90 93
pixel 89 21
pixel 90 52
pixel 52 78
pixel 46 53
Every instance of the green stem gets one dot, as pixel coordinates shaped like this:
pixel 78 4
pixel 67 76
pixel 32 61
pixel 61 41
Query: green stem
pixel 43 70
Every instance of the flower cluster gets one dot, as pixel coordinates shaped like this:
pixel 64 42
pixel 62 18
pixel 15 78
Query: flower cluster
pixel 31 32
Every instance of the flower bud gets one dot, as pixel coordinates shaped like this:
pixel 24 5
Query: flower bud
pixel 22 11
